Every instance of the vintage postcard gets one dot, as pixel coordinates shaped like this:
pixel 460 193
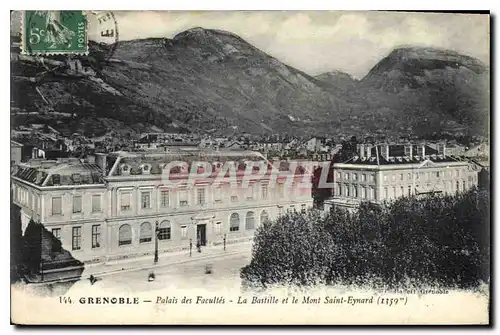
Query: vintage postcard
pixel 250 168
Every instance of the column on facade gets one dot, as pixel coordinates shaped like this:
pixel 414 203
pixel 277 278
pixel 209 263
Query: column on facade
pixel 157 192
pixel 112 203
pixel 109 239
pixel 379 184
pixel 42 207
pixel 136 200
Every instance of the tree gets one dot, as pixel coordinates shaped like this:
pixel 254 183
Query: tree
pixel 436 240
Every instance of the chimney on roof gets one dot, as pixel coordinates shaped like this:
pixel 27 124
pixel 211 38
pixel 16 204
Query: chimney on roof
pixel 441 149
pixel 361 150
pixel 368 150
pixel 421 150
pixel 101 161
pixel 408 150
pixel 384 151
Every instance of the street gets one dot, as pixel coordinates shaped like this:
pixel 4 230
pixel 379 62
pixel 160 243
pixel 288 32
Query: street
pixel 183 276
pixel 225 270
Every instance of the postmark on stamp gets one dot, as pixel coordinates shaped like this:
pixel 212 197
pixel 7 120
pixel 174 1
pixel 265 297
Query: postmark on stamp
pixel 54 32
pixel 104 25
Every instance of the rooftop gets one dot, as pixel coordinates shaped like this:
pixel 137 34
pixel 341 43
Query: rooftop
pixel 61 172
pixel 157 159
pixel 400 154
pixel 401 160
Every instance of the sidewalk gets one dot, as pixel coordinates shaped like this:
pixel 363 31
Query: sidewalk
pixel 137 264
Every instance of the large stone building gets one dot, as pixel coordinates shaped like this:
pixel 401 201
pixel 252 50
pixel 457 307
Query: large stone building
pixel 117 207
pixel 385 172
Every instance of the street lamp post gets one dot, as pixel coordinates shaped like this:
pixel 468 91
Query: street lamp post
pixel 156 242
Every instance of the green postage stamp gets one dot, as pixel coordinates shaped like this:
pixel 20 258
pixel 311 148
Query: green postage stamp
pixel 54 32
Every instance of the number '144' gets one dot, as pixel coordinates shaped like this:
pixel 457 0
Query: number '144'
pixel 65 300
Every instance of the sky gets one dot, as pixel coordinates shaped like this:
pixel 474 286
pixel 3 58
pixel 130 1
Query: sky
pixel 319 41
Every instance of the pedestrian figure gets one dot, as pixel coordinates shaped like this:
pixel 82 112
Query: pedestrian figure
pixel 198 245
pixel 92 279
pixel 151 276
pixel 208 269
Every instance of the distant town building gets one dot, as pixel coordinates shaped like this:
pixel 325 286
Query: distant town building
pixel 455 149
pixel 315 144
pixel 386 172
pixel 16 152
pixel 480 150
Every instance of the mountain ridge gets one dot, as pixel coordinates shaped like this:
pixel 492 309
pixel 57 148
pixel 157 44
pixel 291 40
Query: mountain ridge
pixel 213 81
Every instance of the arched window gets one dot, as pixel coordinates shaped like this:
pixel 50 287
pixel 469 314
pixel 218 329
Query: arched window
pixel 146 234
pixel 125 235
pixel 264 216
pixel 234 222
pixel 250 221
pixel 164 231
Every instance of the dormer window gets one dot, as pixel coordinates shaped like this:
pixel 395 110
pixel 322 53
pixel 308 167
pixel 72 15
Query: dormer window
pixel 56 179
pixel 76 178
pixel 125 169
pixel 146 168
pixel 96 177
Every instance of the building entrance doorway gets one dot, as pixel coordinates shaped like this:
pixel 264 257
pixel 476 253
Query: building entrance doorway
pixel 201 234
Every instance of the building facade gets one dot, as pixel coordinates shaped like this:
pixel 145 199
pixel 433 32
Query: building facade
pixel 117 207
pixel 381 173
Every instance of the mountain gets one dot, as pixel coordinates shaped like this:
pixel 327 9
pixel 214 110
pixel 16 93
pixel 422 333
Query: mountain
pixel 431 88
pixel 213 81
pixel 337 80
pixel 201 80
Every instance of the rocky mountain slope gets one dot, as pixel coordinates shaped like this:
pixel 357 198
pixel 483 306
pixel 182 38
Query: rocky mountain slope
pixel 436 89
pixel 421 91
pixel 213 81
pixel 337 80
pixel 201 80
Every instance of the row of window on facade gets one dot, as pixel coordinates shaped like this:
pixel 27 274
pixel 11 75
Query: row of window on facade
pixel 347 190
pixel 164 230
pixel 27 198
pixel 77 204
pixel 354 176
pixel 417 175
pixel 165 199
pixel 201 199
